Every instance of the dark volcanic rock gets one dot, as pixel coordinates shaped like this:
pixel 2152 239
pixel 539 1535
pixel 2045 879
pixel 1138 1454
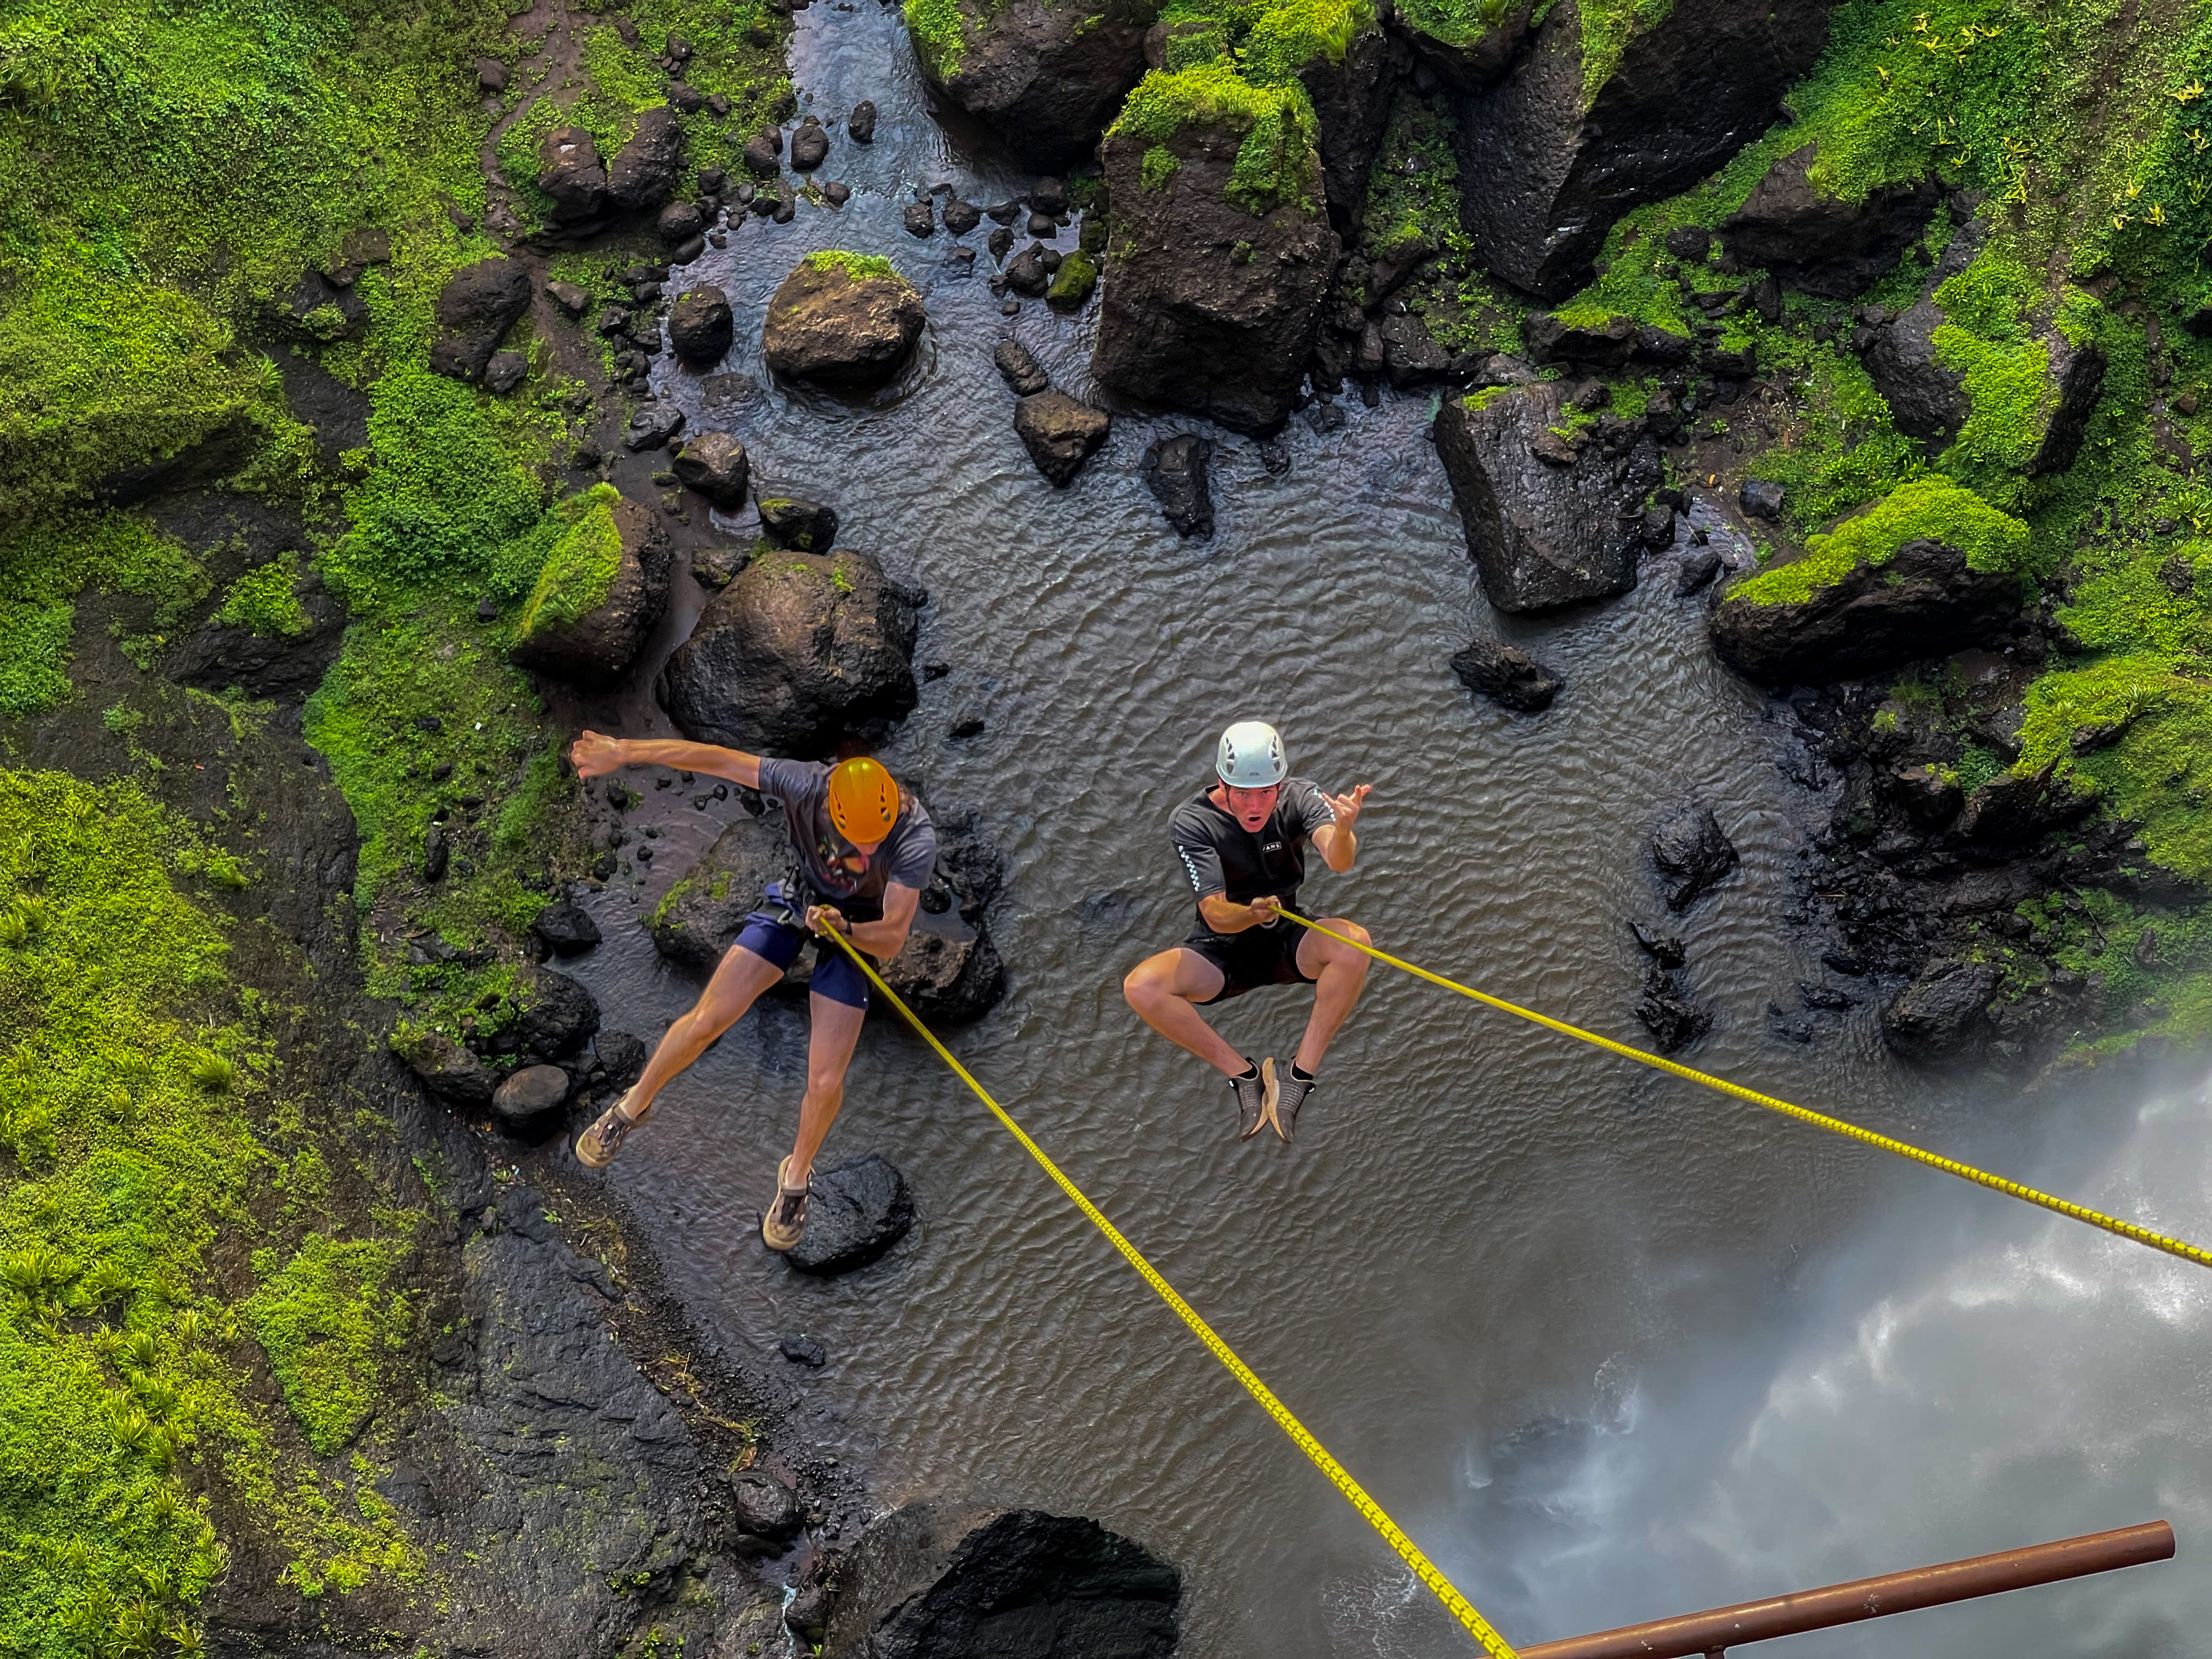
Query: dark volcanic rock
pixel 1815 241
pixel 1545 175
pixel 678 222
pixel 477 305
pixel 860 125
pixel 810 145
pixel 506 371
pixel 830 324
pixel 557 1014
pixel 1059 433
pixel 858 1210
pixel 1208 307
pixel 530 1094
pixel 1925 602
pixel 1506 675
pixel 1022 373
pixel 920 218
pixel 1546 523
pixel 1758 498
pixel 650 426
pixel 1602 348
pixel 2076 376
pixel 801 650
pixel 2011 809
pixel 936 1580
pixel 1664 948
pixel 1926 400
pixel 705 908
pixel 764 1508
pixel 1027 272
pixel 961 217
pixel 593 644
pixel 1943 1015
pixel 1692 854
pixel 645 168
pixel 566 928
pixel 1470 66
pixel 1674 1020
pixel 763 153
pixel 324 311
pixel 1045 77
pixel 715 464
pixel 570 171
pixel 1174 470
pixel 446 1069
pixel 795 522
pixel 700 327
pixel 286 666
pixel 1351 94
pixel 800 1349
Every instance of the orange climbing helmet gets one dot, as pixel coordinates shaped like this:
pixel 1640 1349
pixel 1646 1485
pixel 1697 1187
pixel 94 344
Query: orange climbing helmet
pixel 864 801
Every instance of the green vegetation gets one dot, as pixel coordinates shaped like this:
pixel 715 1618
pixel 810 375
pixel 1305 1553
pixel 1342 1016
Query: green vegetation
pixel 580 568
pixel 1159 167
pixel 329 1320
pixel 938 36
pixel 858 267
pixel 263 601
pixel 1606 26
pixel 1276 162
pixel 46 561
pixel 1072 284
pixel 1453 22
pixel 1413 201
pixel 1926 509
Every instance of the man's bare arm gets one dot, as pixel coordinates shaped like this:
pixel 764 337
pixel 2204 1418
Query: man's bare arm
pixel 1224 915
pixel 882 939
pixel 594 755
pixel 1336 843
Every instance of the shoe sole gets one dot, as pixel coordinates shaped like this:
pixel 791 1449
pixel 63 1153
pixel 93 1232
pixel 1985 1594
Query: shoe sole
pixel 798 1232
pixel 1267 1095
pixel 1271 1099
pixel 584 1158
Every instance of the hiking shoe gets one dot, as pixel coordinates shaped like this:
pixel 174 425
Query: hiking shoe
pixel 1289 1095
pixel 596 1146
pixel 786 1220
pixel 1252 1097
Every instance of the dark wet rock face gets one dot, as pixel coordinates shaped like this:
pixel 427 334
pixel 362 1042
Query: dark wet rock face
pixel 1813 242
pixel 1549 521
pixel 1208 307
pixel 800 650
pixel 859 1210
pixel 477 307
pixel 842 327
pixel 794 522
pixel 1692 854
pixel 644 169
pixel 565 928
pixel 716 465
pixel 939 1580
pixel 1350 99
pixel 217 654
pixel 1943 1015
pixel 1674 1020
pixel 1926 400
pixel 1021 370
pixel 1507 675
pixel 1174 470
pixel 700 327
pixel 1472 66
pixel 570 171
pixel 1546 176
pixel 1924 602
pixel 595 647
pixel 1047 78
pixel 1059 433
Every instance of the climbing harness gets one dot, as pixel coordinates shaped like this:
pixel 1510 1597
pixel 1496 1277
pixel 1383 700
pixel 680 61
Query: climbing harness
pixel 1424 1569
pixel 2177 1247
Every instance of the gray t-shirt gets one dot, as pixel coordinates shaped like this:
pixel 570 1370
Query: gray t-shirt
pixel 907 856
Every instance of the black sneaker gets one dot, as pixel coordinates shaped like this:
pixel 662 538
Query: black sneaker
pixel 1291 1094
pixel 1251 1094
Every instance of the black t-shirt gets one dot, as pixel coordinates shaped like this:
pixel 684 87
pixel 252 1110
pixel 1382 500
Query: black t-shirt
pixel 1220 855
pixel 908 855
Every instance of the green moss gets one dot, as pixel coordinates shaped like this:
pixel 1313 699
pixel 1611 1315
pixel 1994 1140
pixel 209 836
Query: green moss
pixel 939 35
pixel 1276 161
pixel 1606 26
pixel 1458 23
pixel 330 1322
pixel 580 568
pixel 859 267
pixel 1835 445
pixel 1159 167
pixel 1930 508
pixel 47 560
pixel 263 601
pixel 1072 282
pixel 1280 40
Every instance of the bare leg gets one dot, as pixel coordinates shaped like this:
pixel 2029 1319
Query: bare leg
pixel 829 1052
pixel 1338 972
pixel 738 980
pixel 1163 990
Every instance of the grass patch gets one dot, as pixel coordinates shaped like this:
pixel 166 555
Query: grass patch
pixel 330 1322
pixel 580 568
pixel 1925 509
pixel 264 601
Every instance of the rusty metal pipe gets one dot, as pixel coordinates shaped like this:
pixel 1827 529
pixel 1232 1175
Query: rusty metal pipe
pixel 1694 1634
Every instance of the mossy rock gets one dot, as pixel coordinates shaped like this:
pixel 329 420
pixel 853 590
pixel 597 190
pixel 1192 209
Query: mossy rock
pixel 1047 78
pixel 843 319
pixel 602 587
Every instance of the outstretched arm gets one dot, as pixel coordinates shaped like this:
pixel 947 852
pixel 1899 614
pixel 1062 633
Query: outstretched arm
pixel 594 754
pixel 1335 841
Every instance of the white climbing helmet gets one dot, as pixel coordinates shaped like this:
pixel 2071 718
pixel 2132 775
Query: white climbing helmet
pixel 1251 756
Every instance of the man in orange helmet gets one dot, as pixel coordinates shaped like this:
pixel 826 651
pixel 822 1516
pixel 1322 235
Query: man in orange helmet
pixel 864 851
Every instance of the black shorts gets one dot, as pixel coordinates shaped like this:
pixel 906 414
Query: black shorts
pixel 1256 956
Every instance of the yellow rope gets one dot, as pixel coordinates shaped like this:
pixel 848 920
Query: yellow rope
pixel 1424 1569
pixel 2181 1248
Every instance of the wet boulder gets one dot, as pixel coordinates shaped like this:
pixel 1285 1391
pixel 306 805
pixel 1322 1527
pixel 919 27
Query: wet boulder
pixel 1047 78
pixel 1506 674
pixel 716 465
pixel 554 1014
pixel 948 971
pixel 1692 854
pixel 810 145
pixel 919 218
pixel 1027 272
pixel 570 173
pixel 1019 369
pixel 860 125
pixel 938 1579
pixel 1926 399
pixel 645 168
pixel 565 928
pixel 324 311
pixel 1174 470
pixel 1821 243
pixel 800 651
pixel 1548 167
pixel 704 910
pixel 1213 290
pixel 961 216
pixel 445 1068
pixel 602 588
pixel 843 319
pixel 859 1210
pixel 1668 1013
pixel 1059 433
pixel 700 327
pixel 1594 347
pixel 1073 283
pixel 764 1512
pixel 527 1096
pixel 1943 1017
pixel 1549 521
pixel 795 522
pixel 475 308
pixel 678 222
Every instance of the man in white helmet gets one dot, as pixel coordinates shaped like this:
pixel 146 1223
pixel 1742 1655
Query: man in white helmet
pixel 1243 842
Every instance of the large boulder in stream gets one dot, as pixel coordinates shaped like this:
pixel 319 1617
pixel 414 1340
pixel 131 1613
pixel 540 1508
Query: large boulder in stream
pixel 843 319
pixel 1548 162
pixel 601 591
pixel 1821 243
pixel 1690 853
pixel 1212 290
pixel 939 1579
pixel 800 651
pixel 1549 520
pixel 1047 78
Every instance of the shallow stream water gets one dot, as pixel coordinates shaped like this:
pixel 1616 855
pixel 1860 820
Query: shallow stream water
pixel 1609 1347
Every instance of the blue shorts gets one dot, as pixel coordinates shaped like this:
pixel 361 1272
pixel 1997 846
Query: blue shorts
pixel 773 939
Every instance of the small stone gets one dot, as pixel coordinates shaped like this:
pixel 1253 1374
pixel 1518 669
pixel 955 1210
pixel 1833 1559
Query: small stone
pixel 701 326
pixel 652 427
pixel 570 298
pixel 1040 225
pixel 716 465
pixel 1699 566
pixel 491 75
pixel 1059 433
pixel 685 97
pixel 486 610
pixel 860 125
pixel 999 242
pixel 530 1092
pixel 1662 948
pixel 920 218
pixel 1021 372
pixel 1003 213
pixel 801 1349
pixel 1692 852
pixel 961 217
pixel 718 105
pixel 436 853
pixel 1760 499
pixel 1048 197
pixel 505 372
pixel 809 146
pixel 1175 471
pixel 794 522
pixel 763 153
pixel 716 567
pixel 1505 674
pixel 835 192
pixel 859 1210
pixel 1672 1019
pixel 566 928
pixel 678 222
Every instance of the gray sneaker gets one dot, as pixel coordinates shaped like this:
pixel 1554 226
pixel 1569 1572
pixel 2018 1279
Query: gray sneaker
pixel 1252 1097
pixel 596 1146
pixel 1290 1093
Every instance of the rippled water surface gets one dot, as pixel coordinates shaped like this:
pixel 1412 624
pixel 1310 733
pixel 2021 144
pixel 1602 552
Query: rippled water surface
pixel 1608 1346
